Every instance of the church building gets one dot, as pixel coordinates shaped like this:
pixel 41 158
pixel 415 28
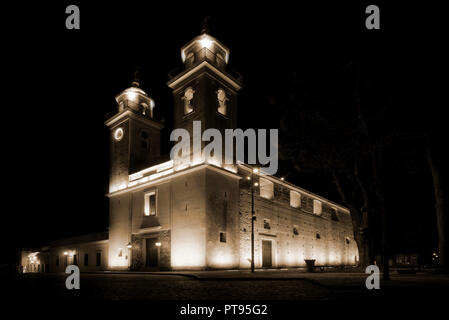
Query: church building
pixel 197 215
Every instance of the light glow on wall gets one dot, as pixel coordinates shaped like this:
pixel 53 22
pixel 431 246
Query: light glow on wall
pixel 118 187
pixel 188 253
pixel 183 56
pixel 119 262
pixel 167 168
pixel 222 259
pixel 131 95
pixel 158 168
pixel 182 166
pixel 118 259
pixel 213 161
pixel 204 41
pixel 161 174
pixel 230 167
pixel 164 166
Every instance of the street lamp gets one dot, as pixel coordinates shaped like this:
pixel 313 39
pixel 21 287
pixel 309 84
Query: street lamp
pixel 253 217
pixel 129 246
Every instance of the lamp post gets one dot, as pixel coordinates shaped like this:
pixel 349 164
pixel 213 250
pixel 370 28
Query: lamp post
pixel 253 217
pixel 129 246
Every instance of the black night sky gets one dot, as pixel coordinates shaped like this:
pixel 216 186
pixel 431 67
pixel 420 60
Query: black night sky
pixel 61 84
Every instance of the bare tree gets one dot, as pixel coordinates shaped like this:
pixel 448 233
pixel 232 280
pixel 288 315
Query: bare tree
pixel 440 209
pixel 348 145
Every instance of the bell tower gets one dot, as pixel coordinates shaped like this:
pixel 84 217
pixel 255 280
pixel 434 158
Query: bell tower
pixel 205 90
pixel 134 135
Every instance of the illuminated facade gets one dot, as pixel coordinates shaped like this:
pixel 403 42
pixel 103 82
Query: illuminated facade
pixel 34 260
pixel 196 214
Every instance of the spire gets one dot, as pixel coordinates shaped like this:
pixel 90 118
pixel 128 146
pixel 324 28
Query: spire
pixel 135 98
pixel 136 77
pixel 205 48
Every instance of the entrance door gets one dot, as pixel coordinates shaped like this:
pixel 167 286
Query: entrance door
pixel 266 254
pixel 152 253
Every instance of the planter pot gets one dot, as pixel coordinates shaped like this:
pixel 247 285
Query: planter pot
pixel 310 264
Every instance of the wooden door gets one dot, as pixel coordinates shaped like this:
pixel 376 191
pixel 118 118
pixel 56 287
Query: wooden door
pixel 266 254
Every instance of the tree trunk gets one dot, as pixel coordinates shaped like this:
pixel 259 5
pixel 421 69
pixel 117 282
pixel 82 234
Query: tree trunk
pixel 376 158
pixel 384 235
pixel 364 223
pixel 440 210
pixel 362 239
pixel 359 225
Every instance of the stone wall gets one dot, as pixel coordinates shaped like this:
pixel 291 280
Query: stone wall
pixel 188 220
pixel 222 217
pixel 296 233
pixel 165 250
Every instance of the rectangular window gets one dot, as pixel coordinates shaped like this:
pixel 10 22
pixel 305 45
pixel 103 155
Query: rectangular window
pixel 317 207
pixel 266 224
pixel 98 259
pixel 86 259
pixel 222 236
pixel 150 203
pixel 295 199
pixel 334 216
pixel 266 188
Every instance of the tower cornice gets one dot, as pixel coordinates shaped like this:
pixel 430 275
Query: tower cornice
pixel 132 115
pixel 187 74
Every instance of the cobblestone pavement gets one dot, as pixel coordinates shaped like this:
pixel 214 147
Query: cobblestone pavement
pixel 239 285
pixel 162 287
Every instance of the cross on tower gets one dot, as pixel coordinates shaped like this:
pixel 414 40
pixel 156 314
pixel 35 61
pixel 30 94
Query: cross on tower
pixel 205 25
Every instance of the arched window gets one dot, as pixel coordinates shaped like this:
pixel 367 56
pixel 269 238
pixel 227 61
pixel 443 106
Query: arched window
pixel 222 102
pixel 187 98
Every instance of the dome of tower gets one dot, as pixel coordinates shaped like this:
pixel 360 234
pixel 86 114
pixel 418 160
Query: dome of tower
pixel 136 99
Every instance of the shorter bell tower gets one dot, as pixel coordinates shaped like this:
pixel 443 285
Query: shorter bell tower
pixel 134 135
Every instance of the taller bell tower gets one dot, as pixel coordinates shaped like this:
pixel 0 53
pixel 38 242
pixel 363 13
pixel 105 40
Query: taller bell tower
pixel 205 90
pixel 134 136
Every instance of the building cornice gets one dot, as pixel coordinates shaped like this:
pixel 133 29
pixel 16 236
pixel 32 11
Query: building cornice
pixel 173 83
pixel 295 188
pixel 175 175
pixel 150 230
pixel 130 114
